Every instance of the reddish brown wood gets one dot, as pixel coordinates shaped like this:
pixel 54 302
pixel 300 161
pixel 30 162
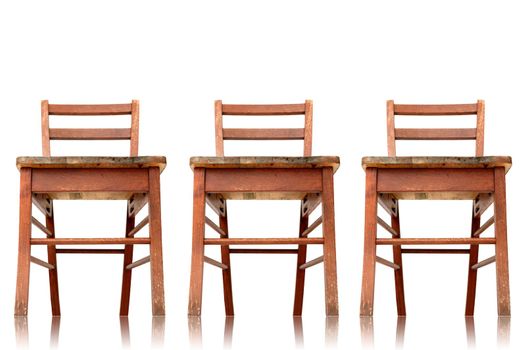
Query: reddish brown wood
pixel 24 247
pixel 278 109
pixel 108 109
pixel 198 232
pixel 300 273
pixel 263 251
pixel 127 273
pixel 45 128
pixel 218 107
pixel 480 128
pixel 156 246
pixel 89 134
pixel 501 245
pixel 435 134
pixel 86 241
pixel 450 109
pixel 398 273
pixel 134 137
pixel 472 273
pixel 258 241
pixel 263 134
pixel 433 241
pixel 369 251
pixel 263 180
pixel 391 144
pixel 90 180
pixel 432 180
pixel 53 273
pixel 225 259
pixel 329 244
pixel 307 143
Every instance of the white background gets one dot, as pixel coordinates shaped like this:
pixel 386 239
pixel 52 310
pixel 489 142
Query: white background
pixel 177 58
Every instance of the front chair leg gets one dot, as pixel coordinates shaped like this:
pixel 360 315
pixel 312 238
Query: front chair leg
pixel 329 244
pixel 24 244
pixel 501 245
pixel 198 236
pixel 156 251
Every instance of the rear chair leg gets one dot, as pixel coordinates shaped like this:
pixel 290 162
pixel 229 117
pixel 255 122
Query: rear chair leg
pixel 52 259
pixel 472 274
pixel 398 273
pixel 127 273
pixel 300 273
pixel 227 275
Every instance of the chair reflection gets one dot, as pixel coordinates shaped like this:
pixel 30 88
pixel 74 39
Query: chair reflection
pixel 367 332
pixel 22 332
pixel 157 332
pixel 196 334
pixel 331 331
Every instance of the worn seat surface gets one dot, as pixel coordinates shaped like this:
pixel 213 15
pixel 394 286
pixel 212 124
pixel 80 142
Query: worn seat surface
pixel 91 162
pixel 266 162
pixel 437 162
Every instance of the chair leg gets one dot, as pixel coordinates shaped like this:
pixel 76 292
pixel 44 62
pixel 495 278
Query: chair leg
pixel 198 236
pixel 127 273
pixel 398 273
pixel 53 273
pixel 501 245
pixel 156 246
pixel 472 274
pixel 329 244
pixel 24 244
pixel 300 273
pixel 369 250
pixel 227 275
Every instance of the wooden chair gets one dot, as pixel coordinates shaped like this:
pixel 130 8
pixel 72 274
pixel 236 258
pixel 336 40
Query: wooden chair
pixel 219 179
pixel 480 179
pixel 46 179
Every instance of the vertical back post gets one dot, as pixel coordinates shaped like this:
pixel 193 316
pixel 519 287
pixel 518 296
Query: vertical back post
pixel 480 128
pixel 45 128
pixel 391 145
pixel 134 139
pixel 219 128
pixel 307 141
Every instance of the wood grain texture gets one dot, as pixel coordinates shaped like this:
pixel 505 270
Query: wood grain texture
pixel 300 273
pixel 46 147
pixel 225 259
pixel 307 143
pixel 156 246
pixel 257 241
pixel 369 250
pixel 501 245
pixel 329 245
pixel 90 180
pixel 24 246
pixel 88 241
pixel 91 162
pixel 198 234
pixel 446 109
pixel 134 137
pixel 263 180
pixel 435 134
pixel 263 134
pixel 435 180
pixel 87 110
pixel 391 144
pixel 89 134
pixel 53 274
pixel 218 109
pixel 268 109
pixel 265 162
pixel 437 162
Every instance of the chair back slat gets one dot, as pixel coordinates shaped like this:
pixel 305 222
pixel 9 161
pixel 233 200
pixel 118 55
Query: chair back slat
pixel 49 134
pixel 304 133
pixel 394 134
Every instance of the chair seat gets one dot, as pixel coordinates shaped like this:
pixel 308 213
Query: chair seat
pixel 92 162
pixel 437 162
pixel 266 162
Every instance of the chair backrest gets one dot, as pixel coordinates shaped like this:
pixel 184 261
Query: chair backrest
pixel 132 133
pixel 476 134
pixel 304 133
